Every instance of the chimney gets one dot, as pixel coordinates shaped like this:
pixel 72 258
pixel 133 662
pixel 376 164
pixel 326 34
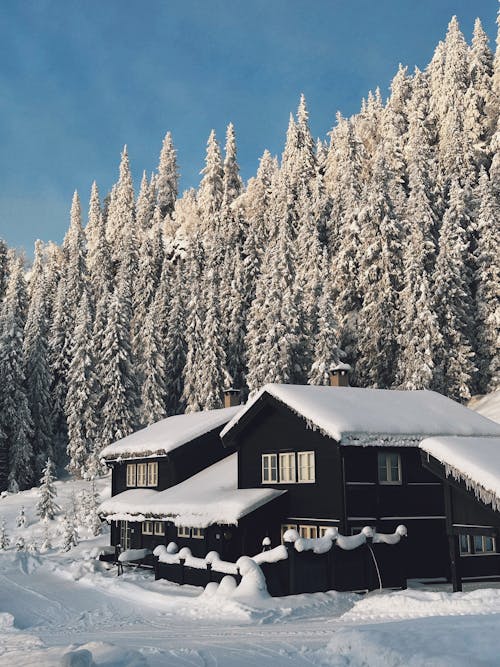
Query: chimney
pixel 339 375
pixel 231 397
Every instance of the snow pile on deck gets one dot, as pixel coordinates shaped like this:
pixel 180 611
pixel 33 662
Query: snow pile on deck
pixel 209 497
pixel 357 416
pixel 476 461
pixel 168 434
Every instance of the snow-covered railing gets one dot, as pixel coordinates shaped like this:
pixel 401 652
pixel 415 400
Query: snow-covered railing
pixel 133 555
pixel 321 545
pixel 212 560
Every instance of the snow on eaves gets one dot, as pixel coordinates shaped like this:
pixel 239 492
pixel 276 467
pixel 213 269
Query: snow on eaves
pixel 168 434
pixel 210 497
pixel 352 415
pixel 473 460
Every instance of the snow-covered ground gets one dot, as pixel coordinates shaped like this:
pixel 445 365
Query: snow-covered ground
pixel 59 608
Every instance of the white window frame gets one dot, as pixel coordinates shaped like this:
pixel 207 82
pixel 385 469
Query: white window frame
pixel 311 468
pixel 482 551
pixel 159 528
pixel 183 531
pixel 131 474
pixel 142 474
pixel 468 550
pixel 308 532
pixel 269 458
pixel 152 474
pixel 147 527
pixel 389 481
pixel 197 533
pixel 287 465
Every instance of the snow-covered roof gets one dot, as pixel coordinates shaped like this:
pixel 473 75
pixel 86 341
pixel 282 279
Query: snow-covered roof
pixel 168 434
pixel 374 416
pixel 488 405
pixel 207 498
pixel 476 461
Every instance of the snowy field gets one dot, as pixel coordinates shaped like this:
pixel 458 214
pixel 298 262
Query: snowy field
pixel 55 605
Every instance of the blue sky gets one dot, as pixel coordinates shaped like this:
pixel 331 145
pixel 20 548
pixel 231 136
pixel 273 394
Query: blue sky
pixel 80 78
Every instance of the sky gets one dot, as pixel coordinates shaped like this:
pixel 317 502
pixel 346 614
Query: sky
pixel 81 78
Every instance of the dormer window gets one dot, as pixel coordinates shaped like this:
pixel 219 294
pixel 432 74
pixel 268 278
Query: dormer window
pixel 142 474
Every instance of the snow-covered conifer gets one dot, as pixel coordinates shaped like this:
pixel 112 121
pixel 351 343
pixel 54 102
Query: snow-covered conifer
pixel 37 364
pixel 47 539
pixel 4 538
pixel 168 177
pixel 145 205
pixel 211 191
pixel 487 281
pixel 80 405
pixel 69 533
pixel 232 181
pixel 21 518
pixel 175 345
pixel 152 368
pixel 326 351
pixel 453 301
pixel 20 543
pixel 121 213
pixel 16 425
pixel 46 507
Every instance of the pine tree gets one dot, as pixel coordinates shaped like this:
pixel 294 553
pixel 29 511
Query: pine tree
pixel 487 306
pixel 452 300
pixel 92 230
pixel 145 205
pixel 174 336
pixel 80 406
pixel 326 353
pixel 168 177
pixel 16 425
pixel 213 373
pixel 21 518
pixel 70 533
pixel 36 360
pixel 380 274
pixel 211 191
pixel 4 538
pixel 121 214
pixel 232 184
pixel 47 507
pixel 152 368
pixel 193 391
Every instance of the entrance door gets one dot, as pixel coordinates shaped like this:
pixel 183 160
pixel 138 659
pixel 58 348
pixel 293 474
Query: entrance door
pixel 125 535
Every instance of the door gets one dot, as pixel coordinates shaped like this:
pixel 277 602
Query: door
pixel 124 535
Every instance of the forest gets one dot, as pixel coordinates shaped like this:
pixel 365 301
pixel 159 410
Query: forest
pixel 378 247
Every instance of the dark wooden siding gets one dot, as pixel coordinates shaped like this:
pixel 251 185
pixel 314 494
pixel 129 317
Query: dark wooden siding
pixel 278 429
pixel 178 465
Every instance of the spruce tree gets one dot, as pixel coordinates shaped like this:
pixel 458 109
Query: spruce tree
pixel 37 366
pixel 21 518
pixel 232 181
pixel 121 214
pixel 326 352
pixel 4 538
pixel 453 301
pixel 168 177
pixel 487 280
pixel 175 345
pixel 46 507
pixel 152 368
pixel 211 190
pixel 80 405
pixel 16 424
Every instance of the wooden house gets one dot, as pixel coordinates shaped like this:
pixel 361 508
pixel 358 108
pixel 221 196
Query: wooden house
pixel 306 459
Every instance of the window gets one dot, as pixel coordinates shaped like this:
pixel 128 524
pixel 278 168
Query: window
pixel 465 544
pixel 287 526
pixel 159 528
pixel 269 468
pixel 147 527
pixel 389 468
pixel 141 474
pixel 153 474
pixel 322 530
pixel 287 467
pixel 131 474
pixel 309 532
pixel 484 544
pixel 183 531
pixel 306 467
pixel 197 533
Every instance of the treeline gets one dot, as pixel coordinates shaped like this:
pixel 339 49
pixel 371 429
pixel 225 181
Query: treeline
pixel 379 247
